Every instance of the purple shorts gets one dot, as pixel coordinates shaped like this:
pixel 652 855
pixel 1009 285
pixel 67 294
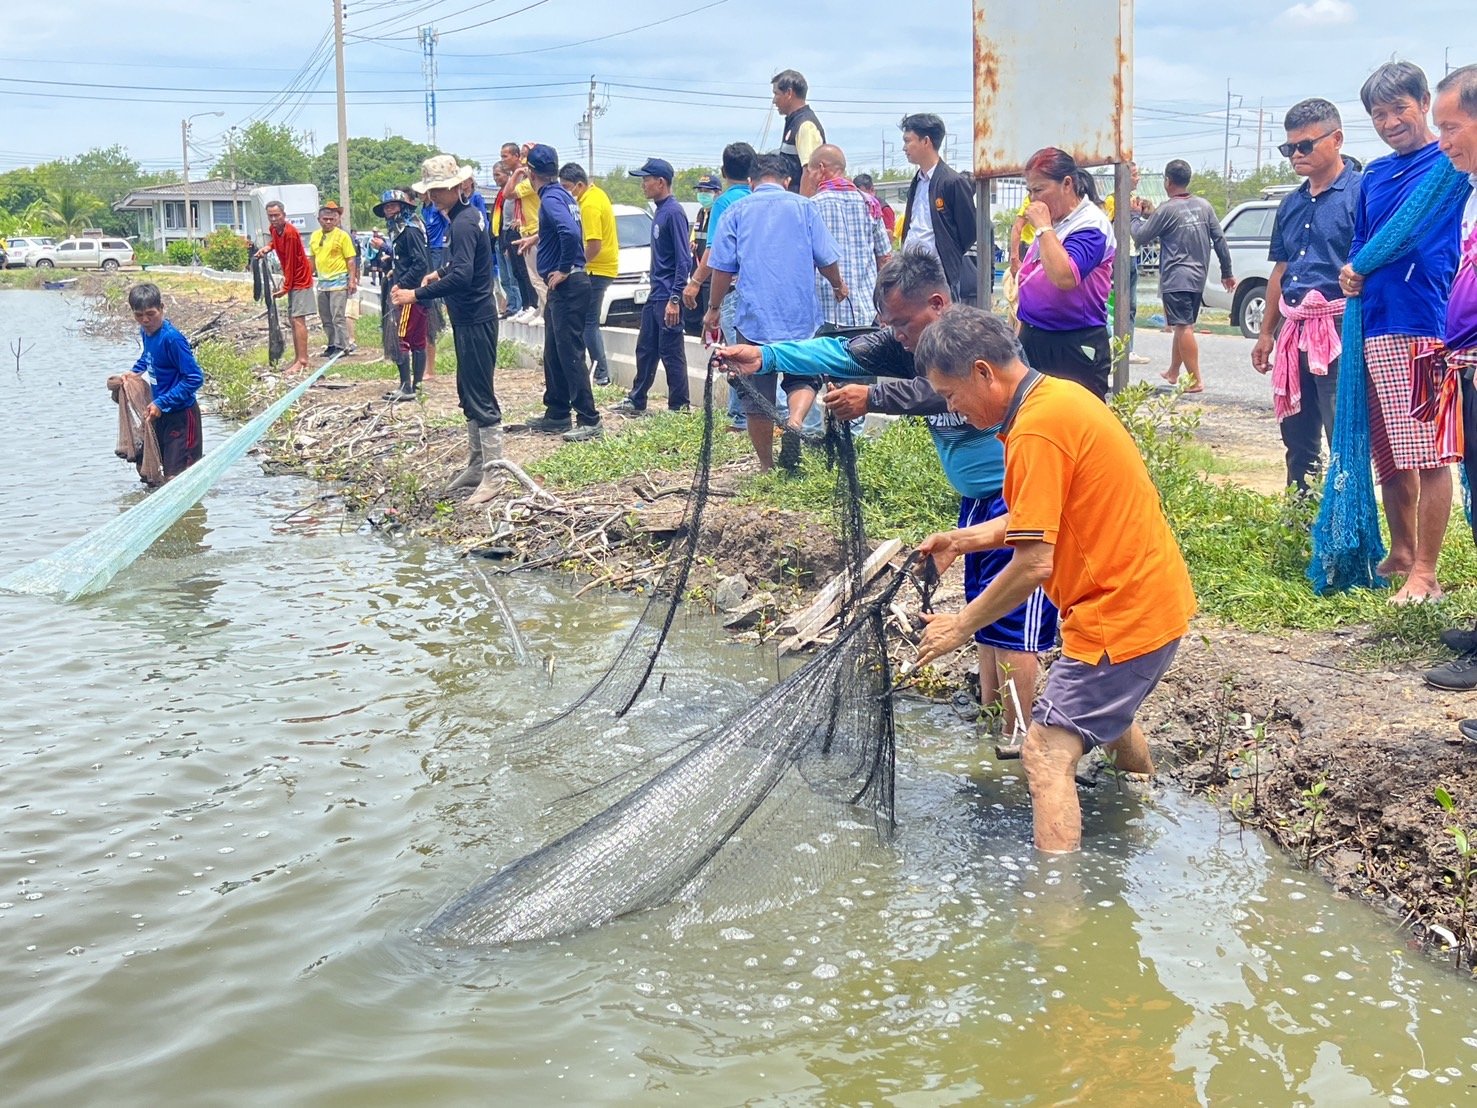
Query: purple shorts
pixel 1099 701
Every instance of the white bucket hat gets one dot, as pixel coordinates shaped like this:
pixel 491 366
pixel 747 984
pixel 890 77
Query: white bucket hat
pixel 442 172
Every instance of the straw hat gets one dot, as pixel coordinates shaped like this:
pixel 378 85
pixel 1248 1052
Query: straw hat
pixel 442 172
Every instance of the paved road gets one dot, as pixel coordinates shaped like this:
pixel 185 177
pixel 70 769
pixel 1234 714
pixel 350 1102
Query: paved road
pixel 1225 362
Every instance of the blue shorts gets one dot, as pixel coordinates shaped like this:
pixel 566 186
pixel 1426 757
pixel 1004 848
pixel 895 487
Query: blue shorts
pixel 1029 629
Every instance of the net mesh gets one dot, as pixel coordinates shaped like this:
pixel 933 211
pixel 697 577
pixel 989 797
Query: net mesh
pixel 87 565
pixel 754 809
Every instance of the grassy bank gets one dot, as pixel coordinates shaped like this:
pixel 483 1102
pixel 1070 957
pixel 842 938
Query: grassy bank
pixel 1248 552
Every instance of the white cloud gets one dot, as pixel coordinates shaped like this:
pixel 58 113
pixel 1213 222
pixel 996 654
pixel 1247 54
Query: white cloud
pixel 1318 13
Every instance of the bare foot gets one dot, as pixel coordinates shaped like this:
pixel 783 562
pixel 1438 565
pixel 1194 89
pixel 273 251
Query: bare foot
pixel 1196 387
pixel 1172 378
pixel 1393 567
pixel 1416 593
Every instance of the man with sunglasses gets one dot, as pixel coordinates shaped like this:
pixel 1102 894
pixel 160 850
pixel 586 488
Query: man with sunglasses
pixel 1310 244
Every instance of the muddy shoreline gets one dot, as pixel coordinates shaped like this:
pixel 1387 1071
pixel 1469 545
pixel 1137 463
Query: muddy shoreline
pixel 1295 734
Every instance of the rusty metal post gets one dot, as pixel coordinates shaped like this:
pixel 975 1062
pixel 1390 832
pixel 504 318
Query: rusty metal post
pixel 1122 294
pixel 984 242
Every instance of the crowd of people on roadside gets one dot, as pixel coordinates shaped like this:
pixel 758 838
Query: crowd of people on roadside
pixel 808 294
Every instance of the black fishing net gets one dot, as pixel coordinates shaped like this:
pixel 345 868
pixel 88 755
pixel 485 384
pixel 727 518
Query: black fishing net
pixel 759 803
pixel 263 290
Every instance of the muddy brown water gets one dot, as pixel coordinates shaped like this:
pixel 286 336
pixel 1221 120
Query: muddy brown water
pixel 235 783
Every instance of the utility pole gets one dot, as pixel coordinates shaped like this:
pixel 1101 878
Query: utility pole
pixel 590 130
pixel 1226 162
pixel 586 130
pixel 428 70
pixel 343 113
pixel 231 165
pixel 184 145
pixel 1259 135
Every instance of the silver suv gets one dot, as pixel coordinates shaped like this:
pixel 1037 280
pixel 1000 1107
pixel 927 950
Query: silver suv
pixel 1248 230
pixel 87 252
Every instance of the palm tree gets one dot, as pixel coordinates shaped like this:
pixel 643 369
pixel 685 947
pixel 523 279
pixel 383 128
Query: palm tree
pixel 71 208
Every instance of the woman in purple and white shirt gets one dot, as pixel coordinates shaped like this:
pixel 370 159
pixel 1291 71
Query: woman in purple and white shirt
pixel 1067 275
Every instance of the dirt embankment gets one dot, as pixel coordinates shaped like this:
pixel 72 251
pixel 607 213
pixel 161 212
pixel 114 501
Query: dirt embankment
pixel 1291 733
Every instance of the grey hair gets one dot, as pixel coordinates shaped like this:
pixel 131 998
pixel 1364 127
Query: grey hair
pixel 1308 113
pixel 1393 80
pixel 914 274
pixel 270 204
pixel 963 336
pixel 1464 80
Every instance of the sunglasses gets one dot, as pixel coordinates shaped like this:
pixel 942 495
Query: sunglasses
pixel 1303 146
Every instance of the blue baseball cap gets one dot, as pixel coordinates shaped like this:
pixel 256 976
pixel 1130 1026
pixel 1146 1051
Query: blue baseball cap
pixel 708 183
pixel 655 167
pixel 543 160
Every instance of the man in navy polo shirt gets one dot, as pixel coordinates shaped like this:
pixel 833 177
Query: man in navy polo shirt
pixel 1310 244
pixel 560 261
pixel 661 334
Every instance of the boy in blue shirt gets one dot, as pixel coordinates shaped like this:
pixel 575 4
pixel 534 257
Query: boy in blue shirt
pixel 169 365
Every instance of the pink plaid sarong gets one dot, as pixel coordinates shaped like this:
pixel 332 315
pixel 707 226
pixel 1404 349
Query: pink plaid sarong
pixel 1311 328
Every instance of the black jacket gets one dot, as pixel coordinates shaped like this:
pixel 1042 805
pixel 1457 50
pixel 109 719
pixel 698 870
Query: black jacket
pixel 882 355
pixel 466 275
pixel 951 203
pixel 412 258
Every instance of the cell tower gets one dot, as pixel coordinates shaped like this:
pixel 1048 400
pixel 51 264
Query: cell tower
pixel 428 69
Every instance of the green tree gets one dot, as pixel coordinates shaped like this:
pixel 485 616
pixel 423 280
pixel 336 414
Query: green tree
pixel 1212 185
pixel 21 189
pixel 268 154
pixel 106 172
pixel 374 165
pixel 71 209
pixel 622 188
pixel 224 249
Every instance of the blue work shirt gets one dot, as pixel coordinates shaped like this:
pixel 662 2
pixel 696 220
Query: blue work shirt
pixel 671 256
pixel 435 226
pixel 775 241
pixel 1407 296
pixel 170 366
pixel 561 234
pixel 973 460
pixel 1312 235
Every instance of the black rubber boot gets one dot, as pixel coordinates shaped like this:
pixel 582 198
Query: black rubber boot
pixel 418 366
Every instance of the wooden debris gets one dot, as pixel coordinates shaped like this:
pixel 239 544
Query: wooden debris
pixel 806 626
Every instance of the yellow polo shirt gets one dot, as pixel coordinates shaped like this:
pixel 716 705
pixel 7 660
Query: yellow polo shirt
pixel 332 253
pixel 598 218
pixel 528 203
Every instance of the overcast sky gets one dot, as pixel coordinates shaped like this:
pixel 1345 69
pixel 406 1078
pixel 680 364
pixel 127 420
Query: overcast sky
pixel 676 78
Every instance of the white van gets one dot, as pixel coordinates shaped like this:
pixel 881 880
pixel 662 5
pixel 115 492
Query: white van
pixel 299 203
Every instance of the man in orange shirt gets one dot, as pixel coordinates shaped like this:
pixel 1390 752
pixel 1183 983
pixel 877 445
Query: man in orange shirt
pixel 1085 524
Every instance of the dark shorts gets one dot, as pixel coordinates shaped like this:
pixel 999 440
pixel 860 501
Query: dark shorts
pixel 1083 355
pixel 410 327
pixel 1098 702
pixel 180 443
pixel 1181 309
pixel 1029 629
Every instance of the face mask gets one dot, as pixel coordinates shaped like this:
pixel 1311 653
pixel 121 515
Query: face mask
pixel 705 200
